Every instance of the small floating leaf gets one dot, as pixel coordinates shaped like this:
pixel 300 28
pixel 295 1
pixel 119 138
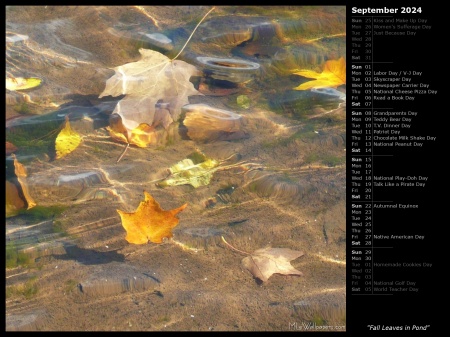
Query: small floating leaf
pixel 186 172
pixel 243 101
pixel 67 140
pixel 149 222
pixel 20 83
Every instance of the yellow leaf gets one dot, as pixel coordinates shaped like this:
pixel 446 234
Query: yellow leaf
pixel 149 222
pixel 67 140
pixel 142 136
pixel 20 83
pixel 332 76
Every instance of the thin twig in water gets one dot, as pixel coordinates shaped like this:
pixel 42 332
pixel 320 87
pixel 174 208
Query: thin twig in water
pixel 142 10
pixel 198 24
pixel 232 248
pixel 123 153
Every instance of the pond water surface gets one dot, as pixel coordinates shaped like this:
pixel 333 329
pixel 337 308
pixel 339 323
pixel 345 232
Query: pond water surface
pixel 258 163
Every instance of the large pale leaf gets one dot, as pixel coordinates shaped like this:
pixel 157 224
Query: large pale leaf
pixel 265 262
pixel 332 76
pixel 154 82
pixel 149 222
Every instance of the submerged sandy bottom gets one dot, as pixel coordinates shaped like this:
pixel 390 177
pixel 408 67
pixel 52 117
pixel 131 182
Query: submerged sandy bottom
pixel 93 279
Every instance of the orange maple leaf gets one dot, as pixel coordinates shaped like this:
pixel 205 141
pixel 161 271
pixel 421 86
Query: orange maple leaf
pixel 149 222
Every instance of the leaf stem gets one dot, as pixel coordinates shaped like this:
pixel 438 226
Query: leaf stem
pixel 198 24
pixel 232 248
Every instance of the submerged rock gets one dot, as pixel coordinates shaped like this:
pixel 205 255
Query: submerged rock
pixel 71 187
pixel 159 40
pixel 303 104
pixel 202 238
pixel 233 70
pixel 280 187
pixel 119 278
pixel 205 123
